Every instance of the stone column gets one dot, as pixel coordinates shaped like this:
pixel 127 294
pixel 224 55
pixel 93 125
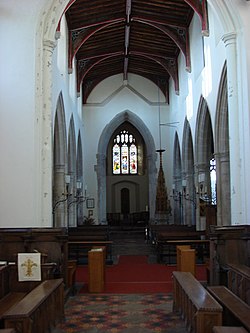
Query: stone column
pixel 191 200
pixel 59 205
pixel 101 181
pixel 233 123
pixel 223 189
pixel 46 134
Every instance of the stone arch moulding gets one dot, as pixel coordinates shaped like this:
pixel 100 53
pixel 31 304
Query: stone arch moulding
pixel 72 172
pixel 203 125
pixel 177 181
pixel 222 153
pixel 59 164
pixel 189 204
pixel 101 160
pixel 45 45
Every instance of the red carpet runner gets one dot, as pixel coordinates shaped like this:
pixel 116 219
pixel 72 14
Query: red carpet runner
pixel 133 274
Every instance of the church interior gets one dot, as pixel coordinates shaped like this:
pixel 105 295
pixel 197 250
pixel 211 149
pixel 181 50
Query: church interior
pixel 125 150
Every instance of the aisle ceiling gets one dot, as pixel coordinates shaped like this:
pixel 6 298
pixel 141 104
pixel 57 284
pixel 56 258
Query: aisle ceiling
pixel 109 37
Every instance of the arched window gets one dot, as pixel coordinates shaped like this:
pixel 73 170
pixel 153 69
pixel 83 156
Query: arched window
pixel 213 181
pixel 124 154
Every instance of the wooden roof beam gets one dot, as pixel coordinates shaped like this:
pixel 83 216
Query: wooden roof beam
pixel 179 35
pixel 200 7
pixel 79 37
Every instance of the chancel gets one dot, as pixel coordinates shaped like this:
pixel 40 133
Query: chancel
pixel 125 128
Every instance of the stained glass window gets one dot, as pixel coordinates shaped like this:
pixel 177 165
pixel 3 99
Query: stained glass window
pixel 124 154
pixel 213 181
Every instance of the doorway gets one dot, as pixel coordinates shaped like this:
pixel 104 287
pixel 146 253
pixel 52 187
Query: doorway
pixel 125 201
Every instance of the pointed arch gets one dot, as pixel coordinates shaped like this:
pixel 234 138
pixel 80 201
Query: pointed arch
pixel 204 153
pixel 125 116
pixel 177 178
pixel 79 178
pixel 204 141
pixel 189 197
pixel 59 164
pixel 222 153
pixel 72 172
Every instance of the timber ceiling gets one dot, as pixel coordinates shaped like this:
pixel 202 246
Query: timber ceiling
pixel 143 37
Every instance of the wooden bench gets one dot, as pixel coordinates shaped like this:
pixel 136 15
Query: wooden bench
pixel 38 311
pixel 82 239
pixel 228 329
pixel 8 301
pixel 8 297
pixel 12 290
pixel 166 237
pixel 238 281
pixel 72 266
pixel 199 309
pixel 78 250
pixel 235 311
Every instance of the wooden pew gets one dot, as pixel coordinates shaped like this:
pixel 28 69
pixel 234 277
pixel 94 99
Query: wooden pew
pixel 8 297
pixel 199 309
pixel 168 248
pixel 49 241
pixel 238 281
pixel 235 311
pixel 78 250
pixel 167 237
pixel 8 301
pixel 228 329
pixel 83 238
pixel 39 311
pixel 72 266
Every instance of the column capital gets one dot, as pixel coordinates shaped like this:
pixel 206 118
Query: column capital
pixel 49 45
pixel 229 38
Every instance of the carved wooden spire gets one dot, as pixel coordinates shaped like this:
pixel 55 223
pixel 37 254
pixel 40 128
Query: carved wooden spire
pixel 162 205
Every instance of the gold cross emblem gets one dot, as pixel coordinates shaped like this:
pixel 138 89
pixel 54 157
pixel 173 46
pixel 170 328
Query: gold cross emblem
pixel 29 264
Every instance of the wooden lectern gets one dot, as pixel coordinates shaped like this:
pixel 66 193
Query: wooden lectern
pixel 185 259
pixel 96 270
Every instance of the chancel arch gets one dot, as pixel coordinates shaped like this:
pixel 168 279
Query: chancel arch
pixel 107 191
pixel 59 166
pixel 177 182
pixel 222 153
pixel 188 184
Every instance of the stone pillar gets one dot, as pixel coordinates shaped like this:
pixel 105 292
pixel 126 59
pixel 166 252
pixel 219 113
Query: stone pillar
pixel 59 205
pixel 46 135
pixel 233 123
pixel 101 181
pixel 191 201
pixel 200 219
pixel 223 189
